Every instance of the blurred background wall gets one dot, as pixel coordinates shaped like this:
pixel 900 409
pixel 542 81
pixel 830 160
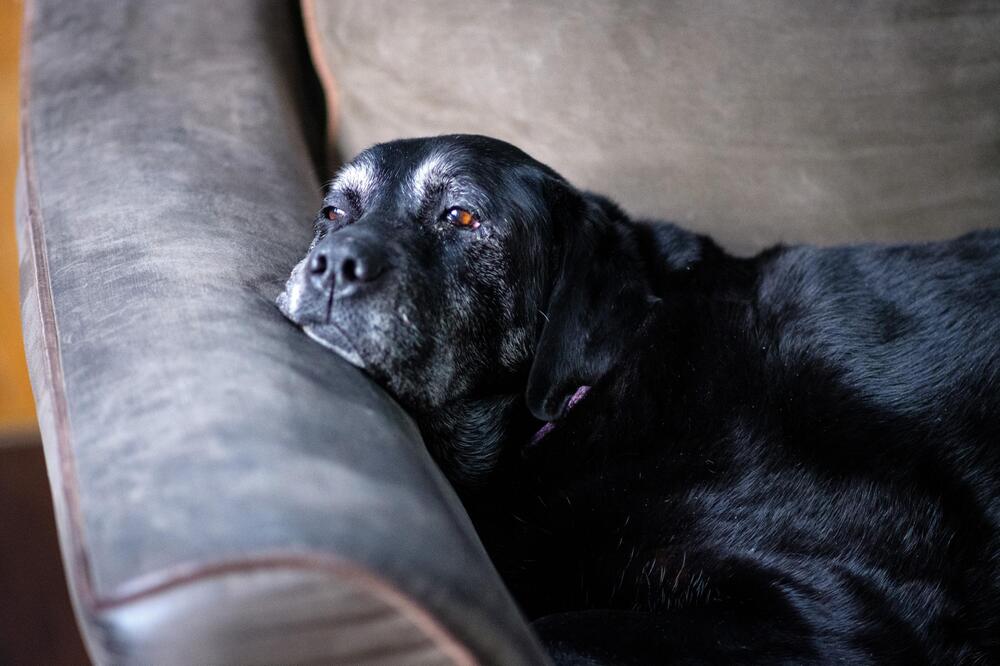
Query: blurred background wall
pixel 17 415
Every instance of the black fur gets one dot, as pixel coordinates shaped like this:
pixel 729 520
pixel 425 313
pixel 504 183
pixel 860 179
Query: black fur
pixel 789 458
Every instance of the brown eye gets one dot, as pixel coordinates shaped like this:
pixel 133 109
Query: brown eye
pixel 462 218
pixel 333 213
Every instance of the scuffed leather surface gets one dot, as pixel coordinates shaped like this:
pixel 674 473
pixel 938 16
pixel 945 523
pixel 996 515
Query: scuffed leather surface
pixel 756 122
pixel 175 192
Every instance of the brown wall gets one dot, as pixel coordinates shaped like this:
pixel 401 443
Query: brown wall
pixel 17 414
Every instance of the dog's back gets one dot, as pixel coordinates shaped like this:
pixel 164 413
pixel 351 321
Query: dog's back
pixel 911 328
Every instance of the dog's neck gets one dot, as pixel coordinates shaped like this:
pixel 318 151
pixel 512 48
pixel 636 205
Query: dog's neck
pixel 468 437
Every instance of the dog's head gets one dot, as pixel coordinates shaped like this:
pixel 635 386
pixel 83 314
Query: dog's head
pixel 457 270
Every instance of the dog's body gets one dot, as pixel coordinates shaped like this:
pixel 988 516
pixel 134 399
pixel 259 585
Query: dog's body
pixel 800 462
pixel 788 458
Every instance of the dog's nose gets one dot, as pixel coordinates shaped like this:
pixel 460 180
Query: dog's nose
pixel 345 265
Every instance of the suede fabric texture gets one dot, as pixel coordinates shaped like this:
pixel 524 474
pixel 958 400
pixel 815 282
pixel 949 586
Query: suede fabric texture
pixel 196 440
pixel 755 122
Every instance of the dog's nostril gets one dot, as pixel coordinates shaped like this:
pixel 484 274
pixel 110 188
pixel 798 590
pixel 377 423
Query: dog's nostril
pixel 317 265
pixel 349 270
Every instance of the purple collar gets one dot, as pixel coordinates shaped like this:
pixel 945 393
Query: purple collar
pixel 548 427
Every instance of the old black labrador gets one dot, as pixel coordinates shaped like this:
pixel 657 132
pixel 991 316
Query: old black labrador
pixel 673 454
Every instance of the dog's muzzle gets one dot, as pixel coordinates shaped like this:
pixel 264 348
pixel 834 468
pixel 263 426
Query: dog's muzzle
pixel 341 266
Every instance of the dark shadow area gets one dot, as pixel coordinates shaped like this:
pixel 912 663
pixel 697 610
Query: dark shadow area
pixel 312 102
pixel 36 619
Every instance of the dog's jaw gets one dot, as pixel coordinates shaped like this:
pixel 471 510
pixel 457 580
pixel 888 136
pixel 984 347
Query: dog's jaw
pixel 331 337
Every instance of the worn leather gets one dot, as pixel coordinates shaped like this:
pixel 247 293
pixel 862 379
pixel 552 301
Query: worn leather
pixel 755 122
pixel 195 439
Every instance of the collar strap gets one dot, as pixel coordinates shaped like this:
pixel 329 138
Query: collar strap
pixel 550 426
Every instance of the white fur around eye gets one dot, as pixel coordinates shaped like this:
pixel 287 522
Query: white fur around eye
pixel 431 171
pixel 360 177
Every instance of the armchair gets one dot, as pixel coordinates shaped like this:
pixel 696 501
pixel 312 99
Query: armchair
pixel 228 491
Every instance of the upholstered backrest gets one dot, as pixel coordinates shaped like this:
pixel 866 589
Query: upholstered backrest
pixel 756 122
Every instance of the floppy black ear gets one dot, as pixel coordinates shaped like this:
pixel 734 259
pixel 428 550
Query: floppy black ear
pixel 598 300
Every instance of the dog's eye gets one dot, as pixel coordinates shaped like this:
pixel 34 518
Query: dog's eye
pixel 462 218
pixel 333 213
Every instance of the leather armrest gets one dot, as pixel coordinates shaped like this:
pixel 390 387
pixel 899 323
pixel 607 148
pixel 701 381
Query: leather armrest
pixel 226 490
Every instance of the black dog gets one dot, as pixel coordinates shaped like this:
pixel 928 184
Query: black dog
pixel 788 458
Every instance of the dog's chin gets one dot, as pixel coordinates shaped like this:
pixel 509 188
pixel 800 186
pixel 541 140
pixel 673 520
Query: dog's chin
pixel 331 337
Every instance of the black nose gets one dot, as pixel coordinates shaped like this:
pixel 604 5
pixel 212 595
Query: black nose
pixel 344 266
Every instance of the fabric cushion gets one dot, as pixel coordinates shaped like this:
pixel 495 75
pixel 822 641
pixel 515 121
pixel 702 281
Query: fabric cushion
pixel 755 122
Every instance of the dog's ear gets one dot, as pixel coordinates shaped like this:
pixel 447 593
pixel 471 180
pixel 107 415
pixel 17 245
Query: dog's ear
pixel 597 301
